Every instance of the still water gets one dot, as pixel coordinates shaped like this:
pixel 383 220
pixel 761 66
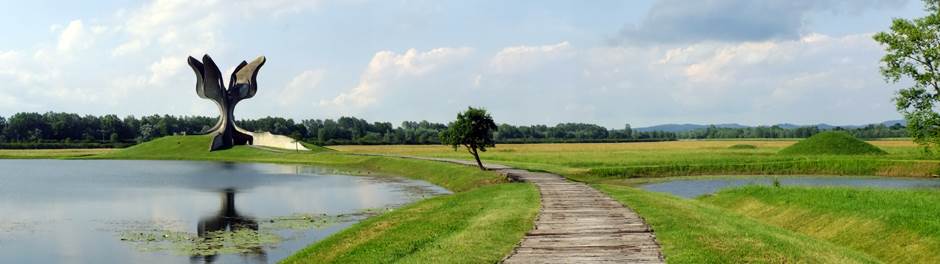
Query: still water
pixel 111 211
pixel 691 188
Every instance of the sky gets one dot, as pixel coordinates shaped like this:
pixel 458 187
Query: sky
pixel 642 62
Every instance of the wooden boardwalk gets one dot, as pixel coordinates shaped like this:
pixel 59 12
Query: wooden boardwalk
pixel 577 224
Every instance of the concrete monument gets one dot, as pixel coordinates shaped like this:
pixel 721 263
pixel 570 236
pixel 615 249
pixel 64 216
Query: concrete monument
pixel 242 85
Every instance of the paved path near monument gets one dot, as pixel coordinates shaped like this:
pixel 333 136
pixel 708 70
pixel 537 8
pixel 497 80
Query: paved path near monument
pixel 577 224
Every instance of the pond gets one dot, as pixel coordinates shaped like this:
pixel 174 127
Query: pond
pixel 691 188
pixel 118 211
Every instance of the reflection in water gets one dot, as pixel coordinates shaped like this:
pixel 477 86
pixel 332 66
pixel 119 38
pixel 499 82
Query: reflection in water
pixel 228 220
pixel 128 211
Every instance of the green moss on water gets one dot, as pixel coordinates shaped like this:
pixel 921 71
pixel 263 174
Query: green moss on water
pixel 157 238
pixel 191 244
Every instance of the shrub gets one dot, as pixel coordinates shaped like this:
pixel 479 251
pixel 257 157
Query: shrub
pixel 742 146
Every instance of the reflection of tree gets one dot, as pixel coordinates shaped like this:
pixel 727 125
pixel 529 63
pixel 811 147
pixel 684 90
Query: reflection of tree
pixel 227 220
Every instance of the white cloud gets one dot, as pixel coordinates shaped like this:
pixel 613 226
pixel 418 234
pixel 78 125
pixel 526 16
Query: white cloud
pixel 388 66
pixel 526 58
pixel 127 47
pixel 806 78
pixel 74 37
pixel 178 25
pixel 165 68
pixel 301 86
pixel 275 7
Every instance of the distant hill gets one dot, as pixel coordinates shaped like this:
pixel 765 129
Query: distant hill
pixel 892 122
pixel 684 127
pixel 690 127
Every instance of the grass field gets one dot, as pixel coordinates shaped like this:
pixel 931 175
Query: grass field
pixel 733 227
pixel 614 162
pixel 50 153
pixel 752 224
pixel 894 226
pixel 454 178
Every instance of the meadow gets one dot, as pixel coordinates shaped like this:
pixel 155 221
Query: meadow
pixel 750 224
pixel 486 216
pixel 620 163
pixel 50 153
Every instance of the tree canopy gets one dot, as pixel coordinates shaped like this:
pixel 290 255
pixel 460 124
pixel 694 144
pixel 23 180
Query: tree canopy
pixel 473 130
pixel 913 51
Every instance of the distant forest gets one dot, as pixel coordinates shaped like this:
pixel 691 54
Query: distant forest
pixel 67 130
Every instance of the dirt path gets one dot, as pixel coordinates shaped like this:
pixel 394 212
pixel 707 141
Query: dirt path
pixel 577 224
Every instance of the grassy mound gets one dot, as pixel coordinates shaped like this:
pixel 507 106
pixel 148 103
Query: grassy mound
pixel 832 143
pixel 742 146
pixel 194 147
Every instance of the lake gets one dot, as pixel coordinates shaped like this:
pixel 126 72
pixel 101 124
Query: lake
pixel 691 188
pixel 119 211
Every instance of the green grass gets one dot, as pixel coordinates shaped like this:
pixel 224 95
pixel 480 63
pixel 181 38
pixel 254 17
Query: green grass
pixel 832 143
pixel 50 153
pixel 896 226
pixel 478 226
pixel 616 162
pixel 454 178
pixel 746 225
pixel 695 232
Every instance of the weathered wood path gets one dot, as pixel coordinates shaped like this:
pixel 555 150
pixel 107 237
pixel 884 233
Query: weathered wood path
pixel 577 224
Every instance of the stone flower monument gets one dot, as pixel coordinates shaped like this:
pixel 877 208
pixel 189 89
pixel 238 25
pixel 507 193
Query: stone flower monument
pixel 243 84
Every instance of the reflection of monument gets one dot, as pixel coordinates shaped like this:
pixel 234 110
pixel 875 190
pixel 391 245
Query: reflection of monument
pixel 242 85
pixel 227 220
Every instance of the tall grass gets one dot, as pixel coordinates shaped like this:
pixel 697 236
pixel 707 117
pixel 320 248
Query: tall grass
pixel 895 226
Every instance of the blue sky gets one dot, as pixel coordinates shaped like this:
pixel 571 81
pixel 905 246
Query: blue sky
pixel 528 62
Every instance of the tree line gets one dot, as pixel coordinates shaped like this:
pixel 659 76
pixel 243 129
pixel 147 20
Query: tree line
pixel 69 130
pixel 866 132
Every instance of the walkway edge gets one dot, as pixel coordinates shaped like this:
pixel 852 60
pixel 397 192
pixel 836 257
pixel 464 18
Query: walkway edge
pixel 576 223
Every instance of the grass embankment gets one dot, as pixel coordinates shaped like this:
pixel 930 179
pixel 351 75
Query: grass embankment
pixel 615 162
pixel 479 226
pixel 482 222
pixel 895 226
pixel 695 232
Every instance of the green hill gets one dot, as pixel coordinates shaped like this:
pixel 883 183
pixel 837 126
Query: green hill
pixel 196 147
pixel 832 143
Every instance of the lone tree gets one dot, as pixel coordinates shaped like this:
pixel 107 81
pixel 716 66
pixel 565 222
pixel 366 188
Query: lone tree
pixel 913 51
pixel 473 129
